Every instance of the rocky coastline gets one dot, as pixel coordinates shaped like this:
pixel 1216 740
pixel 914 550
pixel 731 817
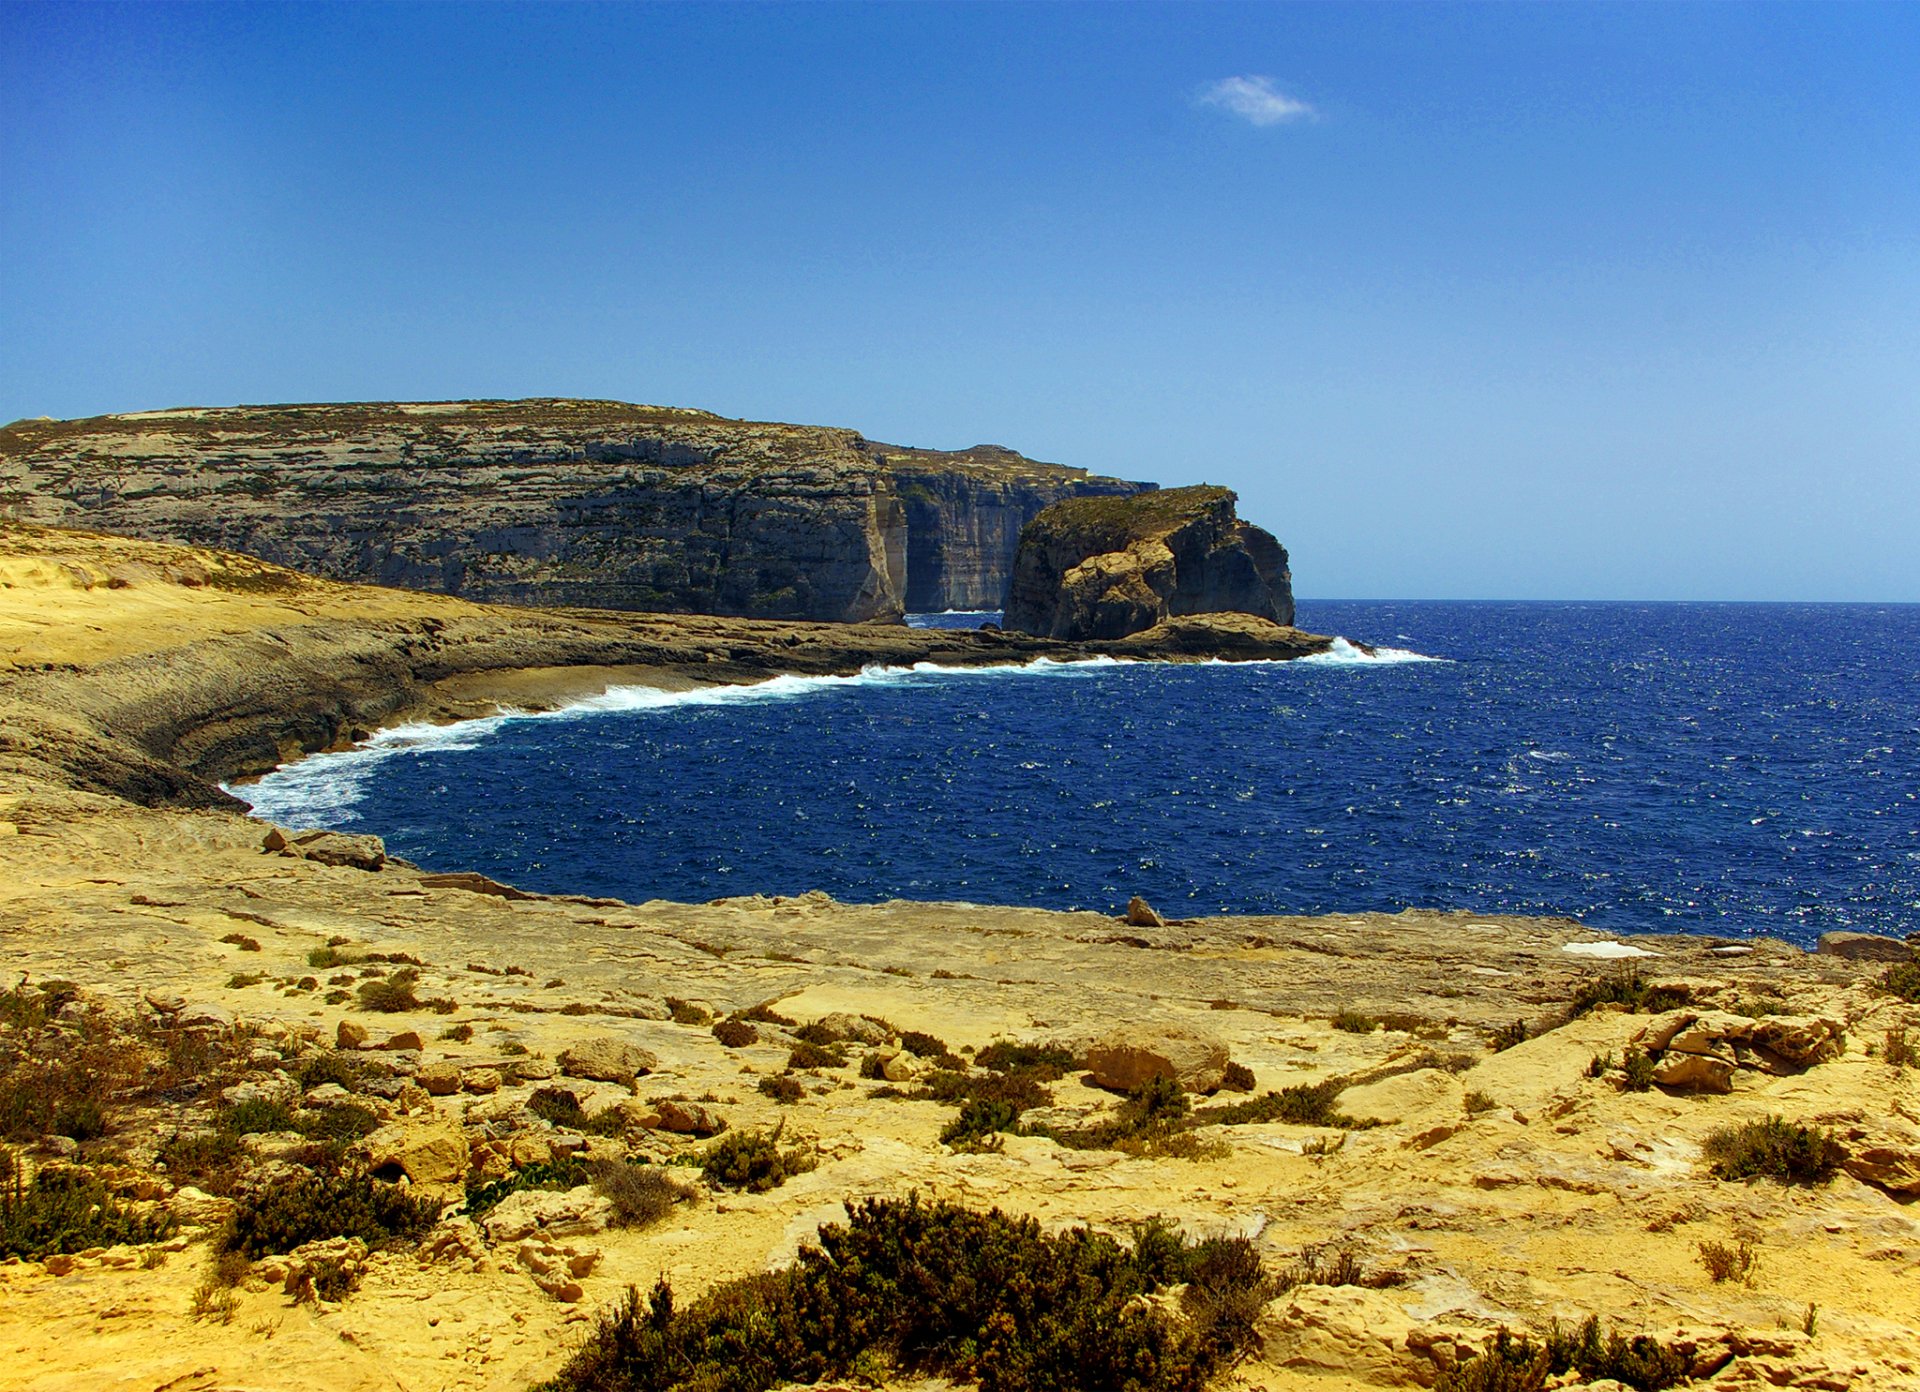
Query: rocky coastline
pixel 1428 1127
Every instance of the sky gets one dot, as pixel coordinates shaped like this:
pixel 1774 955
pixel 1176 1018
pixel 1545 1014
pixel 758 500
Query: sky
pixel 1542 301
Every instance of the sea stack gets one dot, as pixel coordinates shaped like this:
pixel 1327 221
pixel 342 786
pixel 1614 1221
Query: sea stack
pixel 1104 568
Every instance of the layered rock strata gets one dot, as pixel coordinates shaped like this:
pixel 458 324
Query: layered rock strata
pixel 1101 568
pixel 554 502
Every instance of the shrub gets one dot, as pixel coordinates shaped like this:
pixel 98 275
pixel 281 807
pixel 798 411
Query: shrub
pixel 392 994
pixel 1903 980
pixel 763 1014
pixel 1506 1036
pixel 967 1296
pixel 346 1123
pixel 321 958
pixel 927 1046
pixel 783 1090
pixel 1477 1101
pixel 1354 1022
pixel 1237 1078
pixel 1044 1062
pixel 558 1175
pixel 209 1160
pixel 1773 1149
pixel 1600 1065
pixel 328 1066
pixel 311 1208
pixel 816 1032
pixel 459 1034
pixel 1021 1088
pixel 562 1107
pixel 254 1116
pixel 978 1125
pixel 1636 1070
pixel 1630 989
pixel 240 981
pixel 752 1160
pixel 1729 1261
pixel 1304 1104
pixel 736 1034
pixel 641 1195
pixel 687 1013
pixel 807 1054
pixel 65 1209
pixel 1508 1364
pixel 242 941
pixel 1900 1051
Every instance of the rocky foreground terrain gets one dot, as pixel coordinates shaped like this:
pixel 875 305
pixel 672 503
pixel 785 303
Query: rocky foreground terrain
pixel 555 502
pixel 1423 1129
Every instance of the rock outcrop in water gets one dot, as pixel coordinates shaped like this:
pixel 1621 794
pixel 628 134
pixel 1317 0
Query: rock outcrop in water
pixel 553 502
pixel 1102 568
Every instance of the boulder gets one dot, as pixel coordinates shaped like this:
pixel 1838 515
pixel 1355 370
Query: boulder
pixel 311 1263
pixel 339 848
pixel 424 1152
pixel 856 1029
pixel 480 1080
pixel 1886 1163
pixel 1863 947
pixel 690 1119
pixel 606 1059
pixel 1694 1072
pixel 1358 1336
pixel 197 1208
pixel 1140 914
pixel 576 1213
pixel 439 1079
pixel 349 1035
pixel 405 1040
pixel 1126 1060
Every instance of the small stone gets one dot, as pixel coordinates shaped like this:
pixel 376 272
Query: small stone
pixel 440 1079
pixel 350 1036
pixel 406 1039
pixel 482 1080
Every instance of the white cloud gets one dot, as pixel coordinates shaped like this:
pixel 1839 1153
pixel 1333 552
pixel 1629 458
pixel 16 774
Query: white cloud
pixel 1255 99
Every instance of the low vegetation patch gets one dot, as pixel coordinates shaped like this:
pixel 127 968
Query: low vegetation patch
pixel 242 941
pixel 556 1175
pixel 66 1209
pixel 641 1194
pixel 562 1107
pixel 807 1054
pixel 1730 1261
pixel 735 1034
pixel 753 1161
pixel 1355 1022
pixel 1510 1364
pixel 784 1090
pixel 1903 980
pixel 1774 1149
pixel 1900 1051
pixel 687 1013
pixel 763 1014
pixel 312 1207
pixel 1505 1037
pixel 1304 1104
pixel 391 995
pixel 1631 989
pixel 1054 1061
pixel 933 1288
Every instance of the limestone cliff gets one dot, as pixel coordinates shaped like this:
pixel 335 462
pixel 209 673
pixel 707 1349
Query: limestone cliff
pixel 1107 567
pixel 552 502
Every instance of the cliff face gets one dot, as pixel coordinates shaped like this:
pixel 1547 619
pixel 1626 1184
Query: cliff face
pixel 965 511
pixel 1102 568
pixel 550 502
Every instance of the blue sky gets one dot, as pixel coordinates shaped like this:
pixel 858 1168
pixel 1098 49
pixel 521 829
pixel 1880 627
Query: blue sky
pixel 1535 302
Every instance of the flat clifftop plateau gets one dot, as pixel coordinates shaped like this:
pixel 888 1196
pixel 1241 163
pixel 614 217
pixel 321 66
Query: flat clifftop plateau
pixel 278 1110
pixel 553 502
pixel 151 671
pixel 1107 567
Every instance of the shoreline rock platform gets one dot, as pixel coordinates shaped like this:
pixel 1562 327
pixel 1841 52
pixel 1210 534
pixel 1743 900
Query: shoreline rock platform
pixel 1499 1186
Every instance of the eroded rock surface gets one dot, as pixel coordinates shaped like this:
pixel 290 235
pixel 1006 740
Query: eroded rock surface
pixel 1109 567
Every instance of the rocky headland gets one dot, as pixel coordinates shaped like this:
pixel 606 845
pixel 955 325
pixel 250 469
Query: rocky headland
pixel 597 504
pixel 1102 568
pixel 1398 1136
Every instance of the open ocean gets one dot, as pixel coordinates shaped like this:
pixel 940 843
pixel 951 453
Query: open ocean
pixel 1733 769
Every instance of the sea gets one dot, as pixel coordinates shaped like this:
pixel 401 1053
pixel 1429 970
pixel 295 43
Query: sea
pixel 1737 770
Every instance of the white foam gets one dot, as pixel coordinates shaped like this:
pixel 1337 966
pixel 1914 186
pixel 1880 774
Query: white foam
pixel 1347 654
pixel 1607 951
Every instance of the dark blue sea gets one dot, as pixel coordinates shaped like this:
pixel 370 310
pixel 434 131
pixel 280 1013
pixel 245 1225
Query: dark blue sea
pixel 1733 769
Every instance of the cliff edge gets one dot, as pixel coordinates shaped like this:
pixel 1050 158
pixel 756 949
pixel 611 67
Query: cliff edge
pixel 1103 568
pixel 552 502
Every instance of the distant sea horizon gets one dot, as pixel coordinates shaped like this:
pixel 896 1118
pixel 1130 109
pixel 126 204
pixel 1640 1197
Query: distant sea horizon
pixel 1736 768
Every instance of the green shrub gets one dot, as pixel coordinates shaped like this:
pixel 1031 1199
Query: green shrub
pixel 783 1090
pixel 562 1107
pixel 392 994
pixel 459 1034
pixel 1477 1102
pixel 1355 1022
pixel 687 1013
pixel 1304 1104
pixel 969 1297
pixel 1900 1051
pixel 1727 1261
pixel 927 1046
pixel 1774 1149
pixel 1631 989
pixel 1903 980
pixel 255 1115
pixel 344 1123
pixel 66 1209
pixel 978 1125
pixel 1600 1065
pixel 763 1014
pixel 1508 1364
pixel 1021 1088
pixel 815 1032
pixel 1237 1078
pixel 311 1208
pixel 557 1175
pixel 329 1066
pixel 752 1160
pixel 321 958
pixel 209 1160
pixel 1636 1069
